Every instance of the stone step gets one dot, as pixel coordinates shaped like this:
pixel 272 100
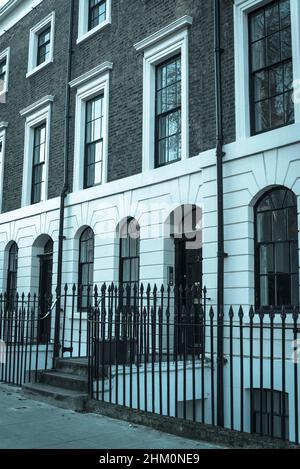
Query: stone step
pixel 78 367
pixel 59 397
pixel 73 366
pixel 64 380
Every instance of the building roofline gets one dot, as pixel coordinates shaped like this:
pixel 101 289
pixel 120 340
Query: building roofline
pixel 13 11
pixel 8 7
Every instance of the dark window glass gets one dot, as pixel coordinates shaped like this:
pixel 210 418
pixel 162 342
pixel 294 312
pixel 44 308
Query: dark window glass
pixel 271 67
pixel 277 260
pixel 97 13
pixel 39 149
pixel 130 254
pixel 93 142
pixel 168 111
pixel 86 269
pixel 3 68
pixel 44 40
pixel 12 276
pixel 270 411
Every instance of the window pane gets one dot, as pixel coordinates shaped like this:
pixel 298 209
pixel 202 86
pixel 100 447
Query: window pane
pixel 264 290
pixel 258 26
pixel 288 76
pixel 44 36
pixel 37 193
pixel 272 18
pixel 273 49
pixel 266 259
pixel 278 197
pixel 98 173
pixel 135 270
pixel 258 55
pixel 162 151
pixel 261 85
pixel 285 18
pixel 265 204
pixel 262 116
pixel 283 285
pixel 126 270
pixel 289 107
pixel 277 111
pixel 292 223
pixel 279 225
pixel 294 255
pixel 264 227
pixel 90 176
pixel 171 73
pixel 295 290
pixel 286 44
pixel 276 81
pixel 174 123
pixel 174 148
pixel 282 258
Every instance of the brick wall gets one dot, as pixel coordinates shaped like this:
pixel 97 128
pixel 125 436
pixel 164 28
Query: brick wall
pixel 132 20
pixel 25 91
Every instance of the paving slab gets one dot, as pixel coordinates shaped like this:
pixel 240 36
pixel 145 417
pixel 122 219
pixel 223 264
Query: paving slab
pixel 28 424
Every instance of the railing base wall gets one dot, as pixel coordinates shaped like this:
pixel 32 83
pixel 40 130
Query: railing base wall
pixel 187 429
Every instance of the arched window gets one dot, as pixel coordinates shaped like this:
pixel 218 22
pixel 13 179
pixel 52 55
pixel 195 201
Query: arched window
pixel 12 275
pixel 129 253
pixel 86 268
pixel 276 254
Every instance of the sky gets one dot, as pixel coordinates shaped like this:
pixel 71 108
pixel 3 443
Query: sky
pixel 2 2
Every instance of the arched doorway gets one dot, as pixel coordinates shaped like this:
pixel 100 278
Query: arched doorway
pixel 186 231
pixel 43 265
pixel 12 272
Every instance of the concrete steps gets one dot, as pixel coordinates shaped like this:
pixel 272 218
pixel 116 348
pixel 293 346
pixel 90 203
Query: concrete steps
pixel 64 398
pixel 66 386
pixel 64 380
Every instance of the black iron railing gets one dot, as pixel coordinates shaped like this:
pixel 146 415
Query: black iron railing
pixel 25 339
pixel 155 349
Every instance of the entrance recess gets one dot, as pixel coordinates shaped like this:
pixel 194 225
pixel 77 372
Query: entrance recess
pixel 45 290
pixel 187 235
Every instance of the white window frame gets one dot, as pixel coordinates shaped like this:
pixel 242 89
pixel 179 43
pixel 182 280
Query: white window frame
pixel 242 8
pixel 33 44
pixel 2 160
pixel 35 116
pixel 83 20
pixel 5 55
pixel 157 48
pixel 89 85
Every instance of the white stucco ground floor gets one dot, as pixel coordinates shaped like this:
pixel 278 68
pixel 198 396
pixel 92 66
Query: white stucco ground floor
pixel 251 169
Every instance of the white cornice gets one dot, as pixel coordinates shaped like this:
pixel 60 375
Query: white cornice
pixel 13 11
pixel 172 28
pixel 38 104
pixel 8 6
pixel 102 68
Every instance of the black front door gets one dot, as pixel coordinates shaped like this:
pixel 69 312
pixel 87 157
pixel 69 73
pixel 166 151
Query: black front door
pixel 188 264
pixel 45 298
pixel 188 274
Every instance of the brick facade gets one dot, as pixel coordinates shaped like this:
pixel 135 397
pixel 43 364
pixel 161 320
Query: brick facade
pixel 131 21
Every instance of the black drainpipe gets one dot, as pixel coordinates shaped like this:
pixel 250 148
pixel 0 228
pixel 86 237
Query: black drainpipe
pixel 220 203
pixel 64 191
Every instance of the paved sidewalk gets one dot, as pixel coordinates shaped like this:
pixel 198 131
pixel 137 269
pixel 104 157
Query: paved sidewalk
pixel 26 424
